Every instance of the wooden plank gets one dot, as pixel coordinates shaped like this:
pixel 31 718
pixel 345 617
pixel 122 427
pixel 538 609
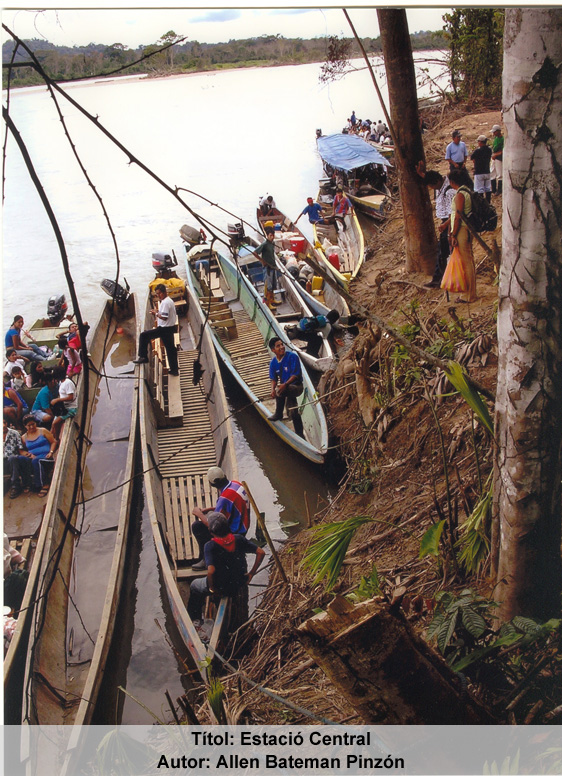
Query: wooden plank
pixel 198 496
pixel 185 517
pixel 175 404
pixel 190 493
pixel 180 552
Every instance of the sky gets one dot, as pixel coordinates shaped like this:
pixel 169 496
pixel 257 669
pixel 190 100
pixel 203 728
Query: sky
pixel 136 25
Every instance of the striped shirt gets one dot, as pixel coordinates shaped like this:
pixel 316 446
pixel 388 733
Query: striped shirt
pixel 233 503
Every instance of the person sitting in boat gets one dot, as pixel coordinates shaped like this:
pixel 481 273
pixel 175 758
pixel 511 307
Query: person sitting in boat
pixel 18 378
pixel 13 360
pixel 73 336
pixel 39 446
pixel 16 465
pixel 31 350
pixel 314 212
pixel 65 404
pixel 15 406
pixel 233 503
pixel 267 205
pixel 42 410
pixel 227 570
pixel 313 330
pixel 265 253
pixel 285 373
pixel 166 317
pixel 71 356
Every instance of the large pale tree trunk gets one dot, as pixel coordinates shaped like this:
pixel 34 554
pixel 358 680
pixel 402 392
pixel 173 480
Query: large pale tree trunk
pixel 421 241
pixel 528 470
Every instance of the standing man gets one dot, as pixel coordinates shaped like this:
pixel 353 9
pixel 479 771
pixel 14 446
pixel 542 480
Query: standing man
pixel 233 503
pixel 481 157
pixel 227 570
pixel 285 373
pixel 342 206
pixel 166 317
pixel 497 159
pixel 444 194
pixel 314 212
pixel 353 119
pixel 266 255
pixel 456 152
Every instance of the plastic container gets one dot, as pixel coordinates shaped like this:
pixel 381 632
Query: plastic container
pixel 334 260
pixel 297 244
pixel 277 227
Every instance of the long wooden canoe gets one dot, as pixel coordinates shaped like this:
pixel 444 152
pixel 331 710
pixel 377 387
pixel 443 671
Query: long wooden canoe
pixel 82 568
pixel 324 297
pixel 349 244
pixel 175 460
pixel 241 327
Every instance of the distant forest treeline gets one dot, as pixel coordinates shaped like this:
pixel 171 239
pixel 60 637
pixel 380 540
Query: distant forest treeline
pixel 68 63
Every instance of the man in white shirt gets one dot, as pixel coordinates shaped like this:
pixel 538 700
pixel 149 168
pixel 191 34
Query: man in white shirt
pixel 166 318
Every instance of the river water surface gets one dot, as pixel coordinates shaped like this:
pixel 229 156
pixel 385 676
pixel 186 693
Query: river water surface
pixel 231 137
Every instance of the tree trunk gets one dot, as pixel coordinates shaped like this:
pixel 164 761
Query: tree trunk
pixel 420 237
pixel 387 672
pixel 528 465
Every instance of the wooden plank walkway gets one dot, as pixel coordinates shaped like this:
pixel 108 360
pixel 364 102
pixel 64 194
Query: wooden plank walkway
pixel 250 355
pixel 185 453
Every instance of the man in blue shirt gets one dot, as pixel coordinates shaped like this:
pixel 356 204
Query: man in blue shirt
pixel 456 152
pixel 314 212
pixel 285 373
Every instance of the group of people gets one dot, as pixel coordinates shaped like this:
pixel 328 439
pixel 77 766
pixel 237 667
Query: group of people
pixel 341 206
pixel 369 130
pixel 220 532
pixel 488 166
pixel 453 195
pixel 32 434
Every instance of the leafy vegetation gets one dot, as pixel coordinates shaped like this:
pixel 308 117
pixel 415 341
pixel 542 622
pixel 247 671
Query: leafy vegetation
pixel 475 37
pixel 368 587
pixel 67 63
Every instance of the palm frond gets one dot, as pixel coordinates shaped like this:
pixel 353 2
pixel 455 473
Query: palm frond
pixel 457 378
pixel 326 554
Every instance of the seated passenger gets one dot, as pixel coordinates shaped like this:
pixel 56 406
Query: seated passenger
pixel 39 446
pixel 65 404
pixel 313 330
pixel 15 405
pixel 42 410
pixel 285 373
pixel 13 359
pixel 31 350
pixel 15 463
pixel 227 571
pixel 232 502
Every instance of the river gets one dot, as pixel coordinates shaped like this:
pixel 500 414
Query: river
pixel 232 137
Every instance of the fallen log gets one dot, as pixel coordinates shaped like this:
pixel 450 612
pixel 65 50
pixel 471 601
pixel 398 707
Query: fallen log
pixel 384 669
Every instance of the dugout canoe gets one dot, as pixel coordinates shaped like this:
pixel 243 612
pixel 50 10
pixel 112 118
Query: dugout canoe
pixel 185 428
pixel 241 326
pixel 83 560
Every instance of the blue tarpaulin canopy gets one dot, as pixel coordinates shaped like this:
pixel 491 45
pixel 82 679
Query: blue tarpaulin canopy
pixel 348 152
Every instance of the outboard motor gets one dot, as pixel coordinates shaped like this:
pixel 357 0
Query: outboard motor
pixel 163 261
pixel 115 291
pixel 235 232
pixel 56 309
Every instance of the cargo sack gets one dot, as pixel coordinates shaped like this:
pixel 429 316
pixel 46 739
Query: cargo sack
pixel 312 324
pixel 454 277
pixel 483 217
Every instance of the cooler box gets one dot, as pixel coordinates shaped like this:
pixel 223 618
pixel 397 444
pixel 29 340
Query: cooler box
pixel 297 244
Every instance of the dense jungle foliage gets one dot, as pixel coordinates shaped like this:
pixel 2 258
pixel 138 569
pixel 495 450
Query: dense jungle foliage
pixel 68 63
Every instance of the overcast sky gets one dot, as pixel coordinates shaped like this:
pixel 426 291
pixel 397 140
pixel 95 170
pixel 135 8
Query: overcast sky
pixel 137 25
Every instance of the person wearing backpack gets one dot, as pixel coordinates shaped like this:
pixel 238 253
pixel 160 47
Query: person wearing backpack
pixel 461 237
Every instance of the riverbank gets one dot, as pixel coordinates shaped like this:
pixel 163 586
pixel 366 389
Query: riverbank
pixel 410 451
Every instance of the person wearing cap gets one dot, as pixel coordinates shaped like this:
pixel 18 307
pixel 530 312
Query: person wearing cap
pixel 227 570
pixel 456 152
pixel 481 157
pixel 497 159
pixel 233 503
pixel 314 212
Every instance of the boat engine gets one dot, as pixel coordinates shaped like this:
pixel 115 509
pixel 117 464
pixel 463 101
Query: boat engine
pixel 115 291
pixel 164 265
pixel 56 309
pixel 235 232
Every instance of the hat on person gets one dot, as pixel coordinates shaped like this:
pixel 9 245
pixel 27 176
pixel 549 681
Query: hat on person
pixel 215 474
pixel 309 199
pixel 456 133
pixel 496 128
pixel 482 139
